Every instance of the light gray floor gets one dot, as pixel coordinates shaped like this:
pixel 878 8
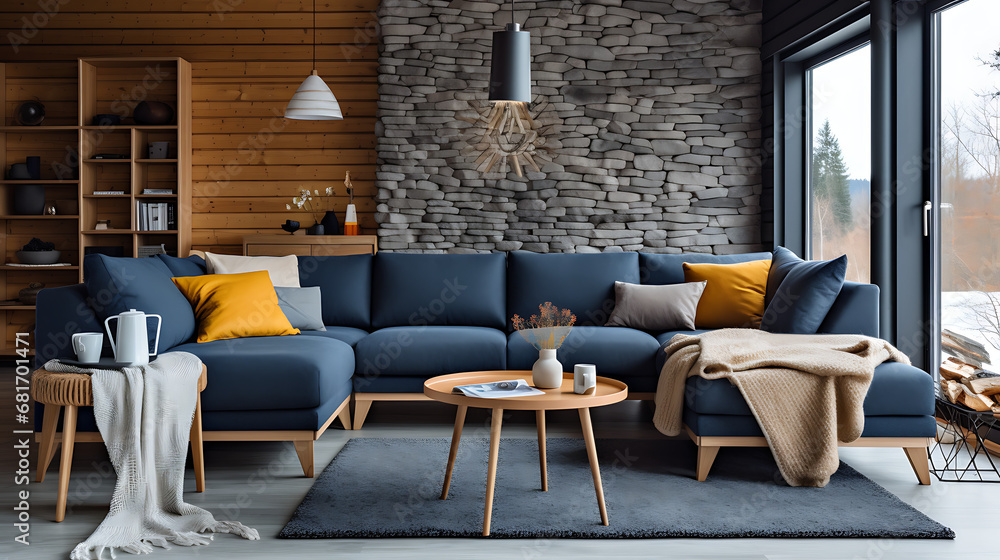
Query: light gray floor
pixel 261 484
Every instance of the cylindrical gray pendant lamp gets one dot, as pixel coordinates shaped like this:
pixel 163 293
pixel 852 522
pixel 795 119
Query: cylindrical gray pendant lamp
pixel 313 101
pixel 510 67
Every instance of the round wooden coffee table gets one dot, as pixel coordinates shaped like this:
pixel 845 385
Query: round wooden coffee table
pixel 608 391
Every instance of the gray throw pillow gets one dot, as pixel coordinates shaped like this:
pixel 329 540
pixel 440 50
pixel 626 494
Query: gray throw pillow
pixel 668 307
pixel 302 306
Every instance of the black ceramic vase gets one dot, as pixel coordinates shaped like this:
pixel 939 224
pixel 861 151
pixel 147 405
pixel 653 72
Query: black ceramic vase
pixel 331 226
pixel 29 200
pixel 315 229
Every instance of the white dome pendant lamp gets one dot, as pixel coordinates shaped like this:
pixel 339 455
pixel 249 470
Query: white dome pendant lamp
pixel 313 101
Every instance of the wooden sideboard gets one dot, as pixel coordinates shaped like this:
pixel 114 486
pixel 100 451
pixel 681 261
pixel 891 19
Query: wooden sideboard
pixel 278 245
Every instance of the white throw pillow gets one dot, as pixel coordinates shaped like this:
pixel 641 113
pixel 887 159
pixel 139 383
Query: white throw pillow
pixel 284 271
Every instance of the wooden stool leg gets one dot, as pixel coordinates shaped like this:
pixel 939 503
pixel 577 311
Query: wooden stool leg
pixel 595 468
pixel 48 447
pixel 542 464
pixel 66 460
pixel 197 448
pixel 491 473
pixel 456 436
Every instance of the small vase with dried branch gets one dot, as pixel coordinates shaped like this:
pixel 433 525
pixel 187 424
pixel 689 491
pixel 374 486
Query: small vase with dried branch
pixel 546 331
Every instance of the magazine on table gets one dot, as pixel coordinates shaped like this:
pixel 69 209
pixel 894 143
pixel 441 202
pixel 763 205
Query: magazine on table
pixel 498 389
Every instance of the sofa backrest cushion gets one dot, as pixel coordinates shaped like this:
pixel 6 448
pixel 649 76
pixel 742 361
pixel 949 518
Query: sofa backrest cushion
pixel 60 313
pixel 117 284
pixel 668 269
pixel 436 289
pixel 584 283
pixel 191 266
pixel 345 282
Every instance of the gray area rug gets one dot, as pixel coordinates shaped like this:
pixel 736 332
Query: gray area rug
pixel 379 487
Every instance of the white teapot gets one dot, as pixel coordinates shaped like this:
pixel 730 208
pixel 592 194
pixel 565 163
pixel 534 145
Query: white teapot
pixel 131 345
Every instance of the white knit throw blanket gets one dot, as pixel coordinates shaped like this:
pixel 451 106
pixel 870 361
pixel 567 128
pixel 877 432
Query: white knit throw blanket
pixel 144 414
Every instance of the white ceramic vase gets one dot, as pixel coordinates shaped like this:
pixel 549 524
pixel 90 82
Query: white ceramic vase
pixel 547 373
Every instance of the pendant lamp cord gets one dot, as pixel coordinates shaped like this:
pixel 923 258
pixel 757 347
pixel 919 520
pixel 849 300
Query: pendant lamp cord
pixel 314 35
pixel 511 11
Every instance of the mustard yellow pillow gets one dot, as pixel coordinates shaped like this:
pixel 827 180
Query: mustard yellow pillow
pixel 734 296
pixel 234 305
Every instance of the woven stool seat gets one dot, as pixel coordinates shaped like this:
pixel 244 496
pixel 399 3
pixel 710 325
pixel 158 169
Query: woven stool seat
pixel 62 388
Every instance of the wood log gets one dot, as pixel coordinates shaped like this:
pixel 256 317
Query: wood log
pixel 951 389
pixel 982 385
pixel 976 402
pixel 956 370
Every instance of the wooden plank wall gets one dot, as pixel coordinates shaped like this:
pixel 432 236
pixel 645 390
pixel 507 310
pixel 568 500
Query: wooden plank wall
pixel 248 57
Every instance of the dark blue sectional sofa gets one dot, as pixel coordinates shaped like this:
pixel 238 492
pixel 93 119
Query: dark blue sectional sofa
pixel 395 320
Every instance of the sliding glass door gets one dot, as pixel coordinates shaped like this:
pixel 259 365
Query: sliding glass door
pixel 966 191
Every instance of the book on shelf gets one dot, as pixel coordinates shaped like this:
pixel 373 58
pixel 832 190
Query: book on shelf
pixel 109 192
pixel 156 216
pixel 157 191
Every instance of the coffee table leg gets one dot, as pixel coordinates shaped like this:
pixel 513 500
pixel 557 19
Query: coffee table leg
pixel 491 474
pixel 540 422
pixel 456 436
pixel 595 468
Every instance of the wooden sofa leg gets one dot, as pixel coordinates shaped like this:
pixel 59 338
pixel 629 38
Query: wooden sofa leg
pixel 918 460
pixel 345 416
pixel 304 449
pixel 706 456
pixel 361 408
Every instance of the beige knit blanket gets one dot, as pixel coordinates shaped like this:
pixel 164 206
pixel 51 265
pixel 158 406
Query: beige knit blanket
pixel 806 391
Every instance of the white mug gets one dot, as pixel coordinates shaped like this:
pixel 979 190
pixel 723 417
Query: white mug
pixel 584 378
pixel 88 346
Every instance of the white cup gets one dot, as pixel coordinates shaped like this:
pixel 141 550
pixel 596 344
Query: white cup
pixel 584 378
pixel 88 347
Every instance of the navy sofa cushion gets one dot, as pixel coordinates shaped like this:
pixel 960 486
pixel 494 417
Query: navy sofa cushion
pixel 346 284
pixel 854 312
pixel 617 352
pixel 458 290
pixel 896 390
pixel 582 283
pixel 273 372
pixel 657 268
pixel 666 336
pixel 803 292
pixel 191 266
pixel 350 335
pixel 428 351
pixel 707 425
pixel 61 312
pixel 117 284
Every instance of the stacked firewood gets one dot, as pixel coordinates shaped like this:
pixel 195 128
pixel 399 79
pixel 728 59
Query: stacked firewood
pixel 970 386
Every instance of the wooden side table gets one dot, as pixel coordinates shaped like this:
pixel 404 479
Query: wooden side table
pixel 608 391
pixel 67 391
pixel 279 245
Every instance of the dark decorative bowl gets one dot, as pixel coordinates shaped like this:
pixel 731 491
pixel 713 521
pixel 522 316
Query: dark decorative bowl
pixel 106 120
pixel 291 226
pixel 38 257
pixel 153 113
pixel 30 113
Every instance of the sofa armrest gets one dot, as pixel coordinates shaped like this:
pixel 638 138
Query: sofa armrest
pixel 854 312
pixel 60 312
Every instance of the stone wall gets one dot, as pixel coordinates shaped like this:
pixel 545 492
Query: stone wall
pixel 649 112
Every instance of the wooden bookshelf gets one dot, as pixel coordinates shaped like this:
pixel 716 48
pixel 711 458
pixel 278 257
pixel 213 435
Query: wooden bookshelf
pixel 66 136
